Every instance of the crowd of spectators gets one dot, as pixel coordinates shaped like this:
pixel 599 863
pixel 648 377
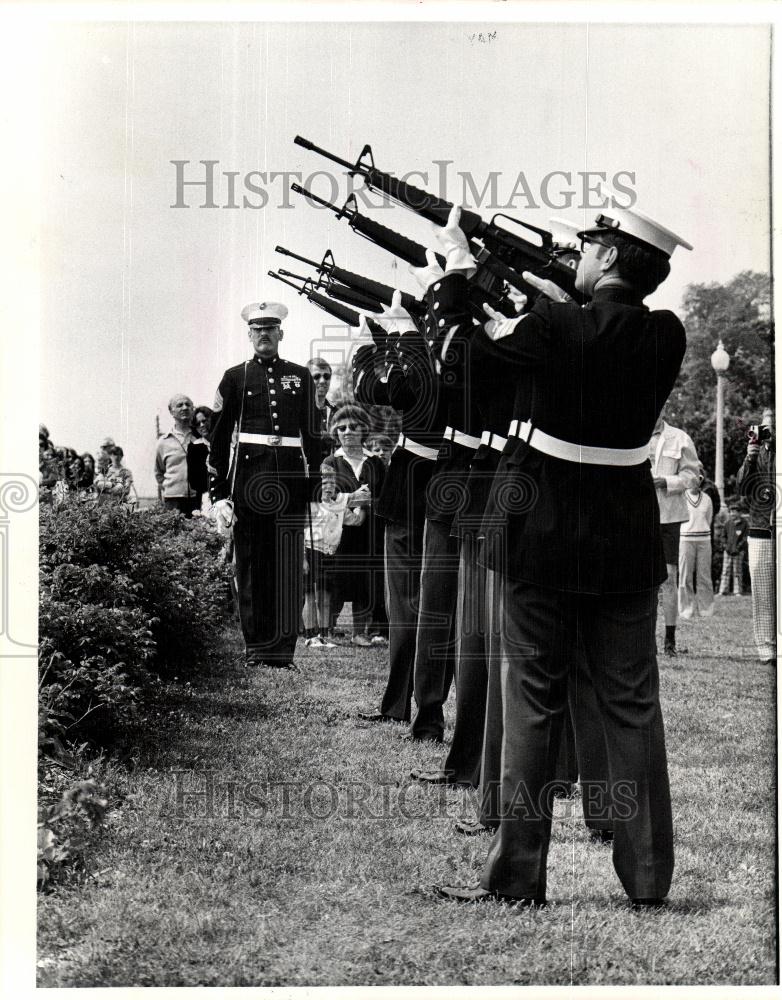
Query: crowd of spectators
pixel 63 472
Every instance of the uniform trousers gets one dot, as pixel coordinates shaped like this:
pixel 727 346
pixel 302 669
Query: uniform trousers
pixel 463 762
pixel 435 632
pixel 544 634
pixel 269 552
pixel 403 547
pixel 582 750
pixel 732 568
pixel 763 576
pixel 695 569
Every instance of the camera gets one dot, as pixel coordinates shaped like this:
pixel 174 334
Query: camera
pixel 758 433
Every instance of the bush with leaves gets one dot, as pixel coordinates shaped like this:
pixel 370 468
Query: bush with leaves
pixel 65 829
pixel 125 597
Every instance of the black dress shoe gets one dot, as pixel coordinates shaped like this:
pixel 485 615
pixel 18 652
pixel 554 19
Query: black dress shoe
pixel 601 836
pixel 477 894
pixel 438 778
pixel 649 904
pixel 472 827
pixel 376 717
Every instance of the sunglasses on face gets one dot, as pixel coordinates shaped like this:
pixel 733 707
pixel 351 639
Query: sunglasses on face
pixel 349 427
pixel 322 376
pixel 586 243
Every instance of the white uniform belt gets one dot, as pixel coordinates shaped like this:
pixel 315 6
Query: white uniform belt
pixel 493 440
pixel 271 440
pixel 460 437
pixel 582 453
pixel 424 451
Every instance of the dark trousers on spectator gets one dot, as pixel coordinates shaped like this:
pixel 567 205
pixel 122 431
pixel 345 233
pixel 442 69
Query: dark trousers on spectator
pixel 435 635
pixel 269 577
pixel 403 546
pixel 185 505
pixel 544 633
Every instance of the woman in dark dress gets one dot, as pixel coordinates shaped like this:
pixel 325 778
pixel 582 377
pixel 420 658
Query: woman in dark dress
pixel 357 557
pixel 198 452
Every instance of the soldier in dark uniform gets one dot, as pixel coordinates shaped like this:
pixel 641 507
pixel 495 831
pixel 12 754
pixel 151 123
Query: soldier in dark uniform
pixel 275 472
pixel 582 557
pixel 403 377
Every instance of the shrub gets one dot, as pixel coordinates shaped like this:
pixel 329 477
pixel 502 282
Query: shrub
pixel 65 829
pixel 125 597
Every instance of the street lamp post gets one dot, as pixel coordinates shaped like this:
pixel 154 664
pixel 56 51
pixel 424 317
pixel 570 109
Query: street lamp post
pixel 720 360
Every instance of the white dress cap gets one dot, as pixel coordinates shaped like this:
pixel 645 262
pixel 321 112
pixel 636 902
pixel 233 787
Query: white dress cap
pixel 264 313
pixel 565 234
pixel 633 223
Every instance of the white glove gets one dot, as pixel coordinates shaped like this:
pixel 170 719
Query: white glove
pixel 222 513
pixel 455 244
pixel 519 299
pixel 426 276
pixel 361 338
pixel 395 319
pixel 499 326
pixel 546 287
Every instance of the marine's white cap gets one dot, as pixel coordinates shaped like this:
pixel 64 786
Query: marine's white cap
pixel 264 313
pixel 631 222
pixel 565 234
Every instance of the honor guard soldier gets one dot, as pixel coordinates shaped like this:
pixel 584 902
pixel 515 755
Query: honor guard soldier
pixel 403 377
pixel 275 472
pixel 582 555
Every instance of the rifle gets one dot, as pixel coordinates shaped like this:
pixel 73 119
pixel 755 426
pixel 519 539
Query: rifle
pixel 497 243
pixel 342 293
pixel 486 285
pixel 336 309
pixel 375 289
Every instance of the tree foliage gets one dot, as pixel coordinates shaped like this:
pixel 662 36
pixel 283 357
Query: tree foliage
pixel 736 313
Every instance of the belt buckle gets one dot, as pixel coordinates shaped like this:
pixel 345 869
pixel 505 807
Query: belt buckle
pixel 274 439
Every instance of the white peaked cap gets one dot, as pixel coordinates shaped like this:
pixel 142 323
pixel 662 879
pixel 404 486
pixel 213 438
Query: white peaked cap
pixel 633 223
pixel 264 313
pixel 565 234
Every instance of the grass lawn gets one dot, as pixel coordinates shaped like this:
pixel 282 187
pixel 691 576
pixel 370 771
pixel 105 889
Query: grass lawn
pixel 306 857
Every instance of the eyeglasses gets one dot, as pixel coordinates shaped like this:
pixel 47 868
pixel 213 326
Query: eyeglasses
pixel 588 241
pixel 321 376
pixel 349 427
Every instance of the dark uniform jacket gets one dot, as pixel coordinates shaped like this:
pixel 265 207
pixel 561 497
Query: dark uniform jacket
pixel 273 397
pixel 755 481
pixel 413 388
pixel 599 375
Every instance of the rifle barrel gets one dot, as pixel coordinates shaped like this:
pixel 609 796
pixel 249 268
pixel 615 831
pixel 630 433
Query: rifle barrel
pixel 296 256
pixel 290 274
pixel 299 141
pixel 313 197
pixel 285 281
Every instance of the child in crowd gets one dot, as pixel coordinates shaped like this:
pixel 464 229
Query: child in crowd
pixel 117 481
pixel 695 556
pixel 382 446
pixel 735 531
pixel 322 537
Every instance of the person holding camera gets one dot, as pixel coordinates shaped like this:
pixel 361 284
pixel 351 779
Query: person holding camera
pixel 755 481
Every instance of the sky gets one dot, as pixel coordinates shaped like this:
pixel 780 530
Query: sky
pixel 141 300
